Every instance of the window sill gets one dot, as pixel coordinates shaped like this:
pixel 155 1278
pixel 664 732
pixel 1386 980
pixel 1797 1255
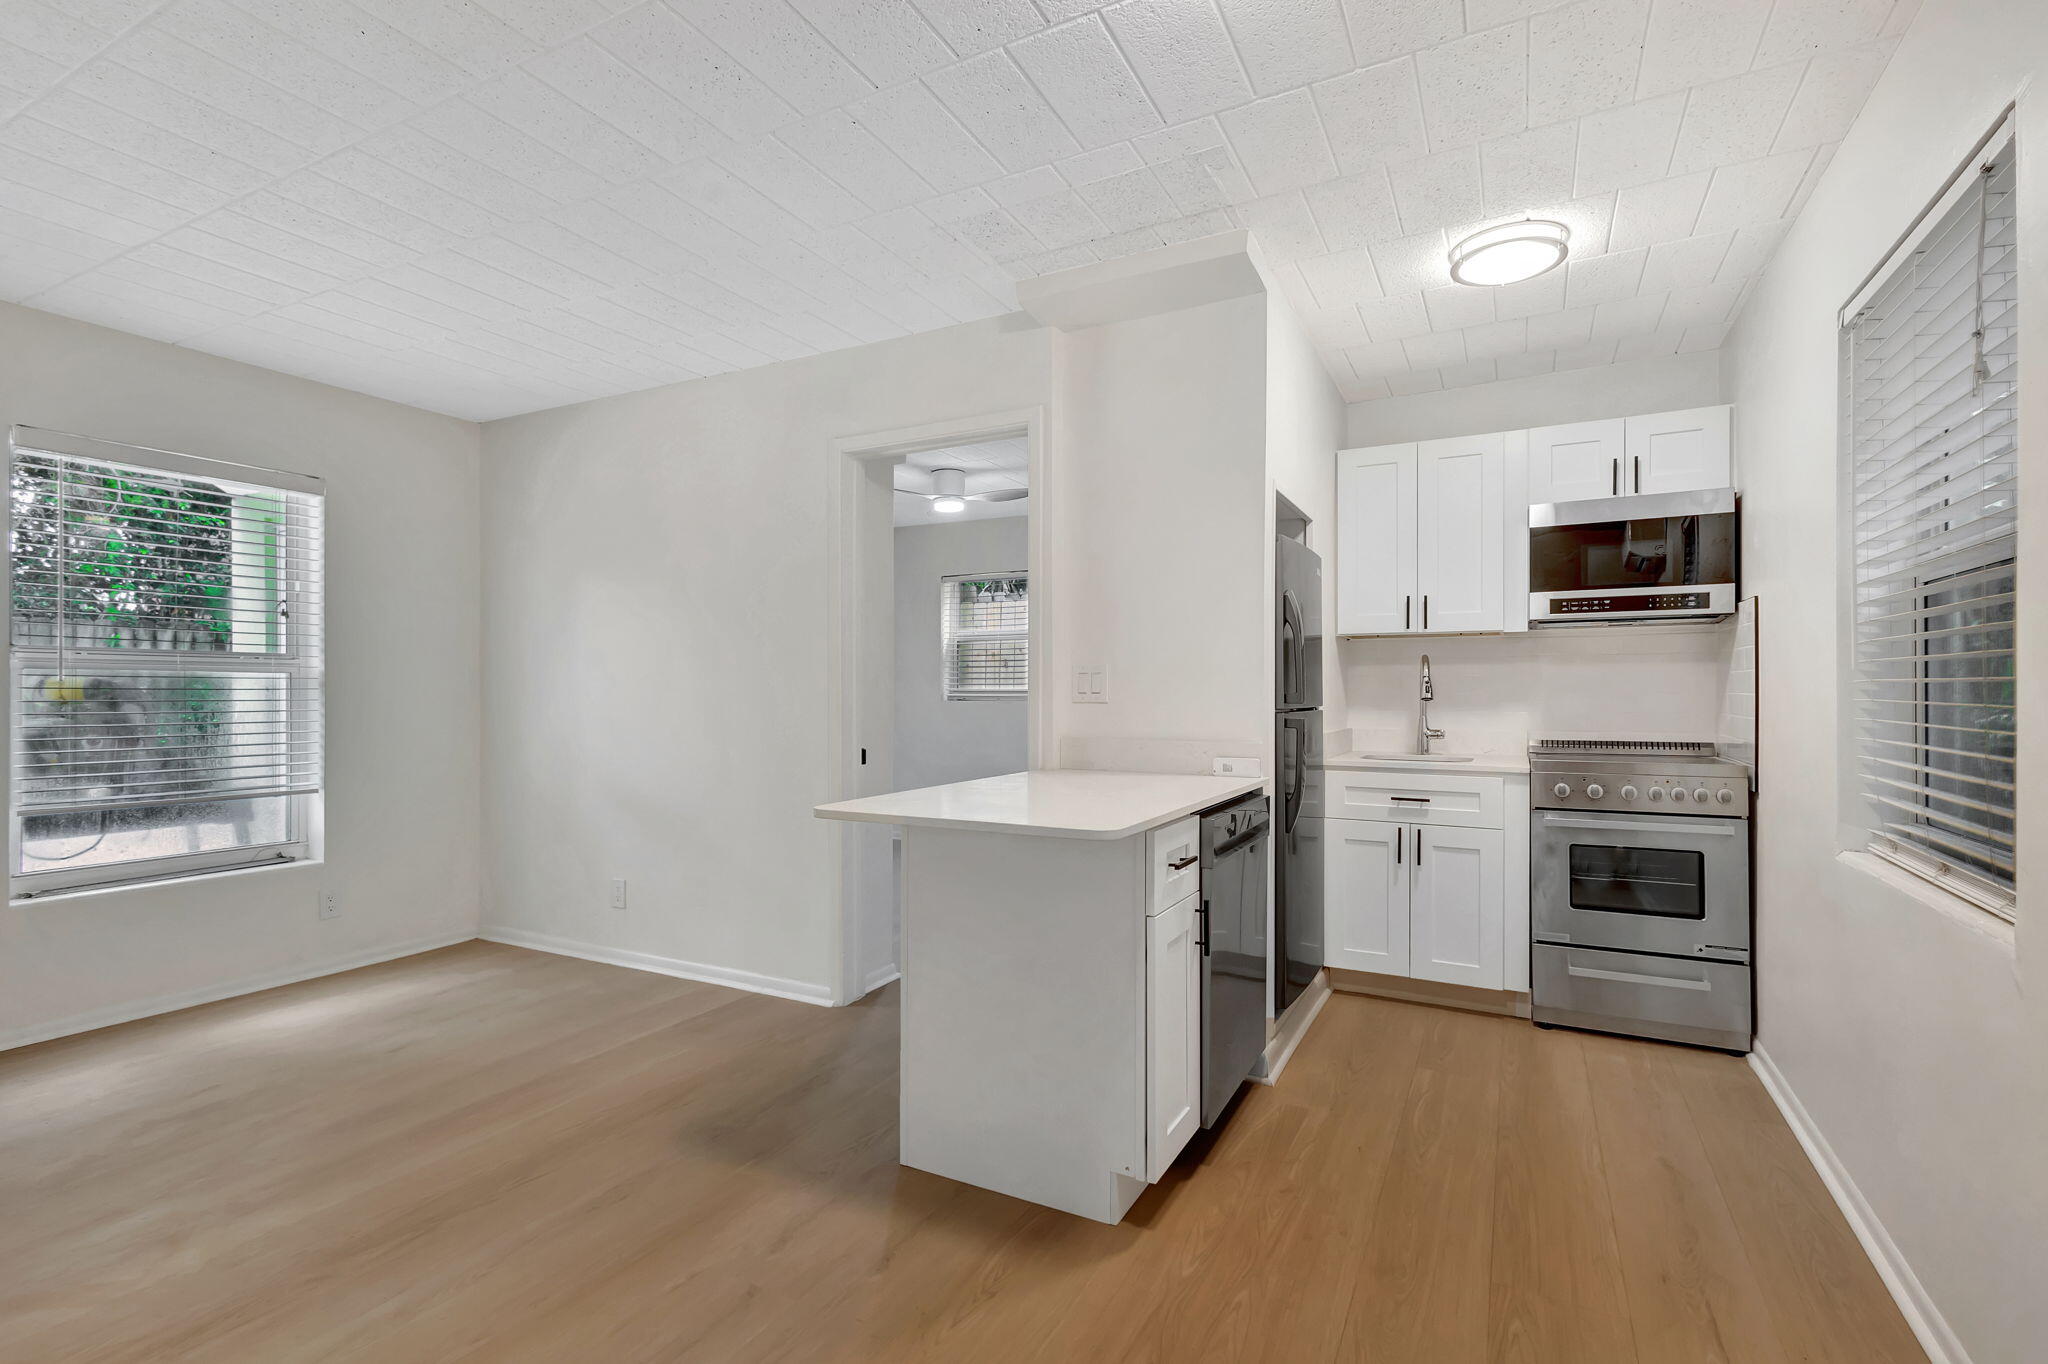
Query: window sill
pixel 51 897
pixel 1936 897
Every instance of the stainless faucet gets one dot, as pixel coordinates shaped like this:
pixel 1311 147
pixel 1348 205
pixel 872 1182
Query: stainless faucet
pixel 1423 732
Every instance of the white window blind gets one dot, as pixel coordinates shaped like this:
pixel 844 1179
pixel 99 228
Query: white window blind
pixel 1933 412
pixel 984 635
pixel 166 660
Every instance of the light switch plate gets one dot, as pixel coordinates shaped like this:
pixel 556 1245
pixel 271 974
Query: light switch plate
pixel 1091 684
pixel 1239 767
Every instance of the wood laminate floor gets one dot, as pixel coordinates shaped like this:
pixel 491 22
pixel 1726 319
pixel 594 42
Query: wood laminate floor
pixel 487 1154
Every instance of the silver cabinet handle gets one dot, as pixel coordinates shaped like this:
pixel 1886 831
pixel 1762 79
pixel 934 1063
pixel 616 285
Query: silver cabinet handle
pixel 1632 978
pixel 1184 863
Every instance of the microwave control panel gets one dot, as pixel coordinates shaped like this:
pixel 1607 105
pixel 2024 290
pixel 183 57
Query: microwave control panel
pixel 1662 601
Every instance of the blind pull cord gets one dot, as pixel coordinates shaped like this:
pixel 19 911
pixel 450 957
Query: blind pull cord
pixel 1980 371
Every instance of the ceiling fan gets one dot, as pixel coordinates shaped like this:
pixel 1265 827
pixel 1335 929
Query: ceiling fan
pixel 949 492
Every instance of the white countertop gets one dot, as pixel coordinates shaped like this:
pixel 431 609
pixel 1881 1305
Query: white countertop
pixel 1485 764
pixel 1072 803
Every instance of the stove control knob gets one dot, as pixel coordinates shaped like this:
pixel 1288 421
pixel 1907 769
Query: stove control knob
pixel 1561 790
pixel 1725 796
pixel 1700 796
pixel 1656 793
pixel 1595 791
pixel 1628 793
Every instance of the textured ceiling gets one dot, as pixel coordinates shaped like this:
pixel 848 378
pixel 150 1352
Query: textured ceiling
pixel 491 206
pixel 988 465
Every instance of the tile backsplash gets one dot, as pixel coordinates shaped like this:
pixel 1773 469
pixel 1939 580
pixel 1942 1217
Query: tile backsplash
pixel 1736 731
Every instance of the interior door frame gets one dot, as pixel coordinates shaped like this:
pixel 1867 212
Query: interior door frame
pixel 850 459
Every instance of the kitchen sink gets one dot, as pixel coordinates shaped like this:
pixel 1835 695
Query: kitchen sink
pixel 1416 757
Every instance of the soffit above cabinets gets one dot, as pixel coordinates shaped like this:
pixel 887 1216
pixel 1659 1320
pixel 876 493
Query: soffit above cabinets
pixel 495 206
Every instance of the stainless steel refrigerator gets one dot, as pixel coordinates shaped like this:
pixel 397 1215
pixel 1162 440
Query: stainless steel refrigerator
pixel 1298 736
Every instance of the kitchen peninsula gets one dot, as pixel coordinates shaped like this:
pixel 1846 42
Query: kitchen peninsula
pixel 1052 976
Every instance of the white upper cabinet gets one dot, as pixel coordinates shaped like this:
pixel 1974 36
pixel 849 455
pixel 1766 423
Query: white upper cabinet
pixel 1433 536
pixel 1576 461
pixel 1679 452
pixel 1376 541
pixel 1461 533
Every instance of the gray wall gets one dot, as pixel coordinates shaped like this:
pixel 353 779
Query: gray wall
pixel 937 740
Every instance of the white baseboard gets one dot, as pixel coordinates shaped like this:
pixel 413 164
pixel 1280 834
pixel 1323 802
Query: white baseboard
pixel 1280 1050
pixel 778 986
pixel 1929 1326
pixel 879 977
pixel 248 985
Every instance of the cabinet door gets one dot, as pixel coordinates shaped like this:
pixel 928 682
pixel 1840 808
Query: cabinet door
pixel 1461 533
pixel 1679 452
pixel 1173 1034
pixel 1376 541
pixel 1576 461
pixel 1457 907
pixel 1365 895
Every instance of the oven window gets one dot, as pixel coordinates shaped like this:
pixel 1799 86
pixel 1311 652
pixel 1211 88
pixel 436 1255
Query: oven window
pixel 1661 882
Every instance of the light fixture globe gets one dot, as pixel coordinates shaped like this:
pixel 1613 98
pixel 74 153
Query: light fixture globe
pixel 949 484
pixel 1510 253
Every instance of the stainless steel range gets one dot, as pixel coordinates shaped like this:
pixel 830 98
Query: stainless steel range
pixel 1639 890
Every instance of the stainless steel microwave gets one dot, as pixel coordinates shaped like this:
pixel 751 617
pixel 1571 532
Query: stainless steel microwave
pixel 1664 556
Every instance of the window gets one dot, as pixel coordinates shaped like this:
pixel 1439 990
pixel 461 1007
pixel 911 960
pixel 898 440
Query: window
pixel 165 663
pixel 984 634
pixel 1930 360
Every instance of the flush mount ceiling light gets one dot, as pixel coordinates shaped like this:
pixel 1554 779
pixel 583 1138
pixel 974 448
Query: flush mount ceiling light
pixel 1510 253
pixel 949 493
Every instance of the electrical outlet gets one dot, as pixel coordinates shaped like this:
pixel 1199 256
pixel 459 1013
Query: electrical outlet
pixel 1238 767
pixel 330 905
pixel 618 892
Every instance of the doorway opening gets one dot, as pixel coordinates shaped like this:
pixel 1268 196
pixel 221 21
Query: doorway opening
pixel 940 617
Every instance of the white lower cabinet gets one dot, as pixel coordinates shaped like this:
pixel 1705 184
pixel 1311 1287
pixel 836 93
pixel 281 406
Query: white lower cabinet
pixel 1431 897
pixel 1456 906
pixel 1365 896
pixel 1173 1034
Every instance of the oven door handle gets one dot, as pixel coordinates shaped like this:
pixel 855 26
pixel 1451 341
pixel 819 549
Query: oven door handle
pixel 1719 827
pixel 1633 978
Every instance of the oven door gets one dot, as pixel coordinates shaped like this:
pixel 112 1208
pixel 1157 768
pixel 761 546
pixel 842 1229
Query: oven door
pixel 1640 883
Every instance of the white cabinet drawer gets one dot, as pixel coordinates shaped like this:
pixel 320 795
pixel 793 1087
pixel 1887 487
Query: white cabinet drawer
pixel 1475 802
pixel 1174 853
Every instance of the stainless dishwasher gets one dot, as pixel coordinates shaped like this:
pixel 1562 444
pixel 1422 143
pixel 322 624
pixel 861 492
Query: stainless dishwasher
pixel 1235 849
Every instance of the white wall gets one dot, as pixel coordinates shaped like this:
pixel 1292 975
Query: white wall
pixel 1161 535
pixel 1913 1030
pixel 940 741
pixel 402 679
pixel 1667 383
pixel 657 698
pixel 1494 693
pixel 1304 430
